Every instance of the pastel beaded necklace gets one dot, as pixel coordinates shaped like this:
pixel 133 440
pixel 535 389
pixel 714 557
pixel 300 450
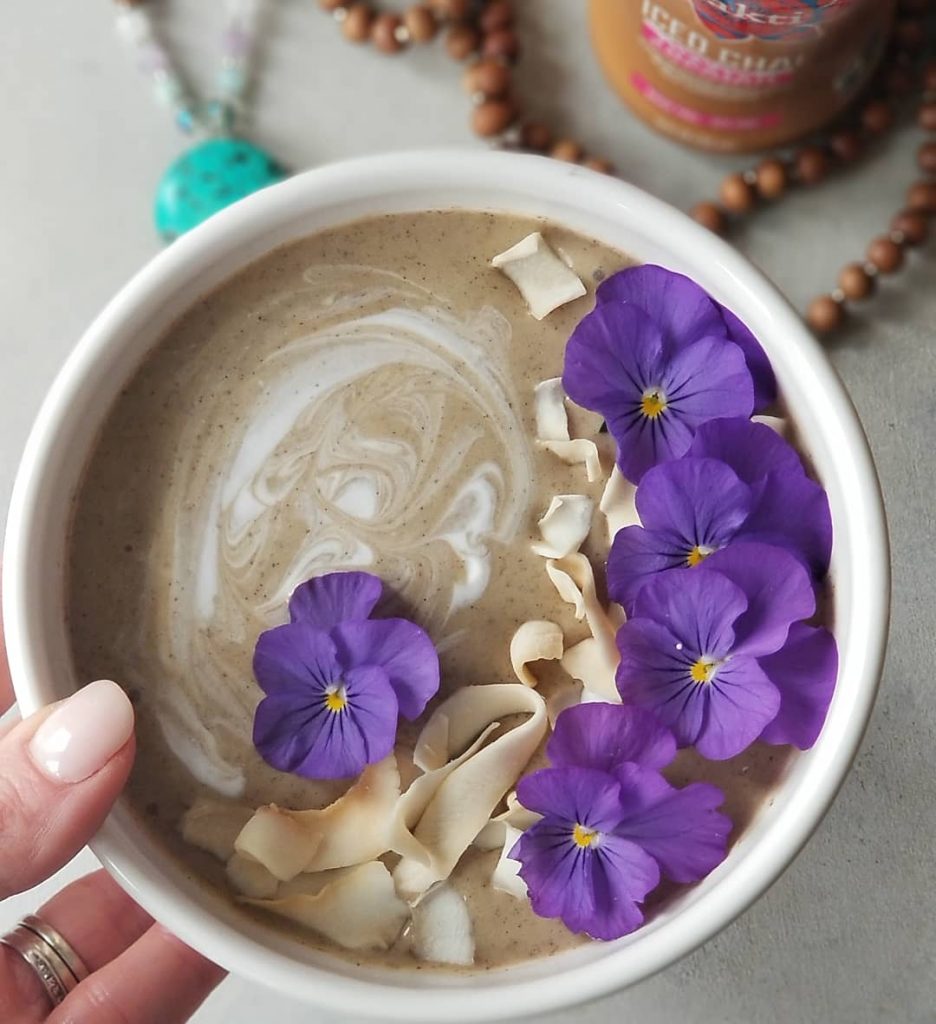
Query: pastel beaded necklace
pixel 220 167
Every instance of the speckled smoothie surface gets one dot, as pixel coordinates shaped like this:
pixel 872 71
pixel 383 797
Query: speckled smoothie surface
pixel 359 399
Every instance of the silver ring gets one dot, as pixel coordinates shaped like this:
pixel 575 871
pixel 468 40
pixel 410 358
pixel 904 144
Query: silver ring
pixel 57 966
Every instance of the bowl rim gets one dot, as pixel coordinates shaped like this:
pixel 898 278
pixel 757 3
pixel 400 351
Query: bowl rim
pixel 382 176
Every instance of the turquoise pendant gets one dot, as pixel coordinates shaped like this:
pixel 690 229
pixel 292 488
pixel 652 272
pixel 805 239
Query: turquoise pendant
pixel 208 177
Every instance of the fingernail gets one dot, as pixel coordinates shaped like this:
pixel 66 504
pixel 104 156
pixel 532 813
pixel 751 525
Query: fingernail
pixel 83 733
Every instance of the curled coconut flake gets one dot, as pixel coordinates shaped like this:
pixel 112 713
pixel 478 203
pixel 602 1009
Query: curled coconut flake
pixel 544 281
pixel 594 660
pixel 464 802
pixel 352 830
pixel 579 450
pixel 552 421
pixel 563 697
pixel 506 876
pixel 213 826
pixel 535 640
pixel 618 503
pixel 565 525
pixel 491 837
pixel 442 931
pixel 251 878
pixel 356 909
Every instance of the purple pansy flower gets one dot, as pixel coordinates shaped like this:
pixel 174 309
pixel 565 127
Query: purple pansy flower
pixel 684 310
pixel 336 680
pixel 611 824
pixel 695 506
pixel 655 375
pixel 711 652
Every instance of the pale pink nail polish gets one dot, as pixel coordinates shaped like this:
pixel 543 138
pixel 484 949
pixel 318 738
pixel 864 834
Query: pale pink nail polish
pixel 83 733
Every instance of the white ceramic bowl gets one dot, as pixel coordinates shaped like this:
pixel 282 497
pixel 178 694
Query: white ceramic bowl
pixel 621 216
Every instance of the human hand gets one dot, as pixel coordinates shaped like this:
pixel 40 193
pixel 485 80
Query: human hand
pixel 60 771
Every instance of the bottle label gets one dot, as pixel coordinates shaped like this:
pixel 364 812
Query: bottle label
pixel 700 118
pixel 768 19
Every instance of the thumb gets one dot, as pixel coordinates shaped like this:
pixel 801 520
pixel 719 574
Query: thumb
pixel 60 771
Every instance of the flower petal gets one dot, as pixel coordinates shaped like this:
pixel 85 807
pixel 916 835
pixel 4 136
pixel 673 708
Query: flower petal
pixel 808 533
pixel 752 450
pixel 336 597
pixel 295 657
pixel 603 736
pixel 742 701
pixel 765 383
pixel 682 309
pixel 699 609
pixel 644 443
pixel 778 589
pixel 296 732
pixel 577 796
pixel 708 380
pixel 596 890
pixel 680 828
pixel 804 670
pixel 638 555
pixel 613 355
pixel 401 649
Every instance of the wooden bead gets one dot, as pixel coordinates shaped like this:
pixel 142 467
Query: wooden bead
pixel 451 10
pixel 856 283
pixel 771 178
pixel 597 163
pixel 536 136
pixel 927 117
pixel 710 216
pixel 357 24
pixel 567 150
pixel 922 197
pixel 331 5
pixel 926 157
pixel 384 33
pixel 913 225
pixel 910 34
pixel 503 42
pixel 461 41
pixel 877 117
pixel 497 14
pixel 488 77
pixel 492 117
pixel 846 146
pixel 824 315
pixel 885 254
pixel 812 165
pixel 736 194
pixel 420 22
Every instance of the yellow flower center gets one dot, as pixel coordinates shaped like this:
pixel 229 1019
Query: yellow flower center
pixel 653 404
pixel 584 837
pixel 697 555
pixel 336 700
pixel 702 671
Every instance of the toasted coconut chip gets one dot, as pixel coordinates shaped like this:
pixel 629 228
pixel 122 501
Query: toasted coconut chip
pixel 565 525
pixel 566 587
pixel 618 503
pixel 464 802
pixel 535 640
pixel 352 830
pixel 442 931
pixel 491 837
pixel 552 422
pixel 778 424
pixel 357 909
pixel 506 876
pixel 590 697
pixel 544 281
pixel 251 878
pixel 564 697
pixel 579 450
pixel 213 826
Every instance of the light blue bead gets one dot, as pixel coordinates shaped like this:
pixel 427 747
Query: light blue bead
pixel 207 178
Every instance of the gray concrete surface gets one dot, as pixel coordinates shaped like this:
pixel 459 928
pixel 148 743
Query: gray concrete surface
pixel 848 935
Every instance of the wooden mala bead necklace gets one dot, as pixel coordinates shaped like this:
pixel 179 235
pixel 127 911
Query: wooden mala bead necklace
pixel 482 33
